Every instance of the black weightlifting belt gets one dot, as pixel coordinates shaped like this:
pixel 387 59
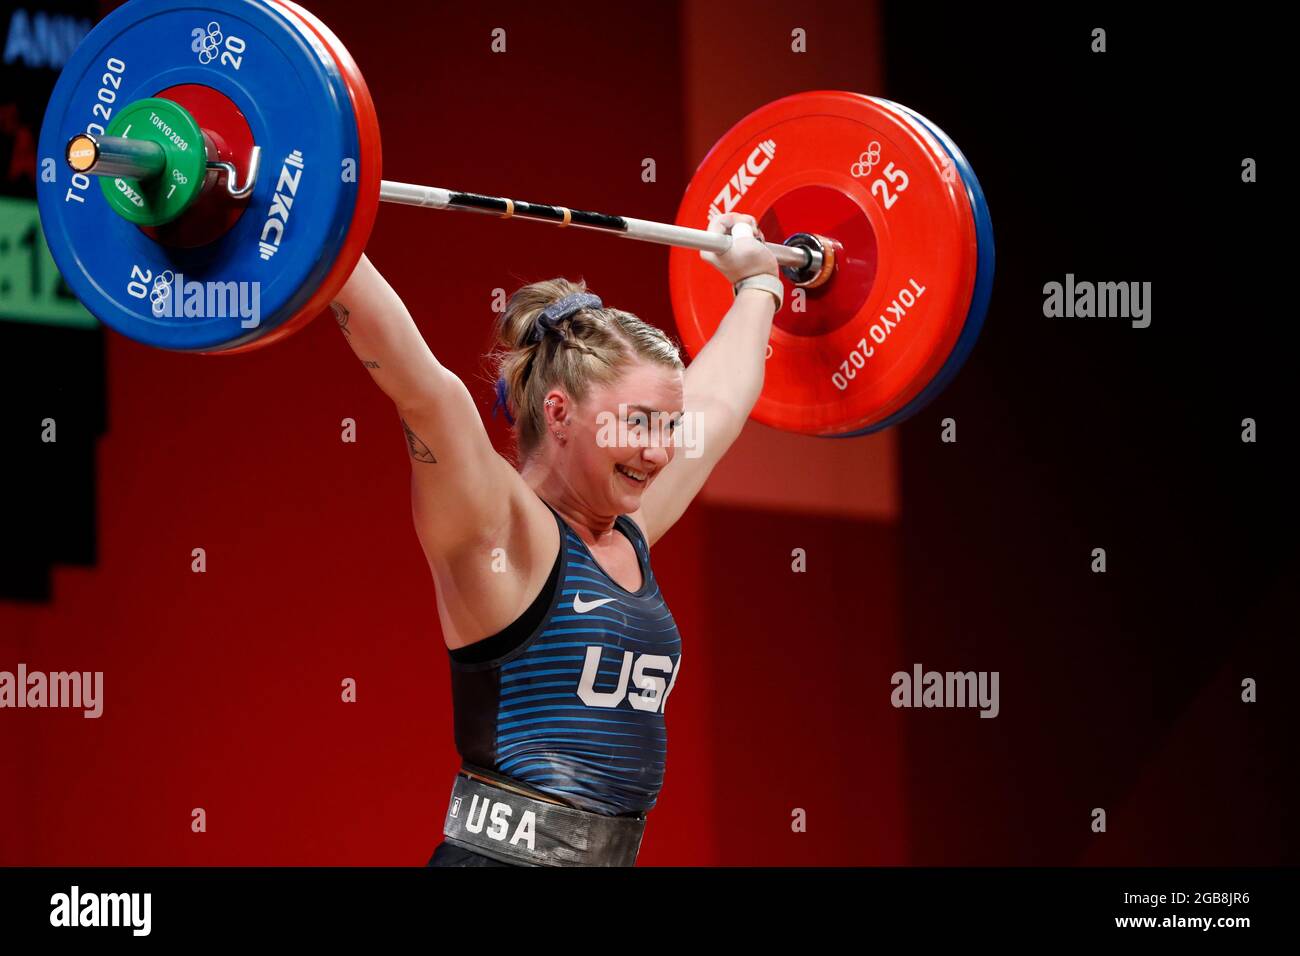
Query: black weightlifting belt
pixel 497 817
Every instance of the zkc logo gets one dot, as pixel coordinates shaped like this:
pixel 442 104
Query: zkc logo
pixel 743 180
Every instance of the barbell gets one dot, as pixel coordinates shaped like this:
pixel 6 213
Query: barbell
pixel 237 154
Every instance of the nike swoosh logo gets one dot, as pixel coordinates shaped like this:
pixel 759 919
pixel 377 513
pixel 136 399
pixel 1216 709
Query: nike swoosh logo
pixel 582 607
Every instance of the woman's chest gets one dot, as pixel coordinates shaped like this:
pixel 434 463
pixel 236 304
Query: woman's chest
pixel 618 560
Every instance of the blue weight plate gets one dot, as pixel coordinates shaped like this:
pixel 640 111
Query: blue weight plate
pixel 983 289
pixel 298 110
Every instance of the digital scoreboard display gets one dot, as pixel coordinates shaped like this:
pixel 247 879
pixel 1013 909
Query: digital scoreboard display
pixel 31 289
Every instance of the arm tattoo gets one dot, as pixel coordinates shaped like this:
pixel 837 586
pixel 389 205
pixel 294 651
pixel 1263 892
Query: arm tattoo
pixel 341 317
pixel 419 450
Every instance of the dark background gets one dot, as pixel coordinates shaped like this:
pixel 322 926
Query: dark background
pixel 1119 691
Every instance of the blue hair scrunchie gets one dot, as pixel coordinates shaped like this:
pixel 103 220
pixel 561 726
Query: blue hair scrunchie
pixel 502 402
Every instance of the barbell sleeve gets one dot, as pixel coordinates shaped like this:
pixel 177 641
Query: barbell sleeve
pixel 115 156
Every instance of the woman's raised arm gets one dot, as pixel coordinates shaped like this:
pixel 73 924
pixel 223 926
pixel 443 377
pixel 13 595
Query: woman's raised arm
pixel 459 484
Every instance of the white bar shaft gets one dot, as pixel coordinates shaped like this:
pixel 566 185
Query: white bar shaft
pixel 432 197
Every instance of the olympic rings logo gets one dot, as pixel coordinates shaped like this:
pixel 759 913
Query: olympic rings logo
pixel 207 42
pixel 161 292
pixel 866 161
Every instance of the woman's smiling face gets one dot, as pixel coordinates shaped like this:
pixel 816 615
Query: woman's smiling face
pixel 620 438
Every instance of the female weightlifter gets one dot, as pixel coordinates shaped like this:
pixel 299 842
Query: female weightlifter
pixel 563 651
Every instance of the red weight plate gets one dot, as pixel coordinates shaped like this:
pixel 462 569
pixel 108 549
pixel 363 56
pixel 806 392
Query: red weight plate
pixel 841 165
pixel 214 212
pixel 369 174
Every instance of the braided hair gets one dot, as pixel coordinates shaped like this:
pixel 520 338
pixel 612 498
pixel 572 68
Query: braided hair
pixel 557 334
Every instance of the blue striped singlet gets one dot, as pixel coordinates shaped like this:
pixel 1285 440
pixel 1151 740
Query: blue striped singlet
pixel 574 706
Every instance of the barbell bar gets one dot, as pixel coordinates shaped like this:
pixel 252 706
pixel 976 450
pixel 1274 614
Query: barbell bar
pixel 116 156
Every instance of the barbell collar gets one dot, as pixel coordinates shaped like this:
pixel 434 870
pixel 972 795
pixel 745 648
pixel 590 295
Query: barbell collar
pixel 235 189
pixel 822 250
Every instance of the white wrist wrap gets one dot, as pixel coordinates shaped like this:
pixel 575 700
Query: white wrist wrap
pixel 768 283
